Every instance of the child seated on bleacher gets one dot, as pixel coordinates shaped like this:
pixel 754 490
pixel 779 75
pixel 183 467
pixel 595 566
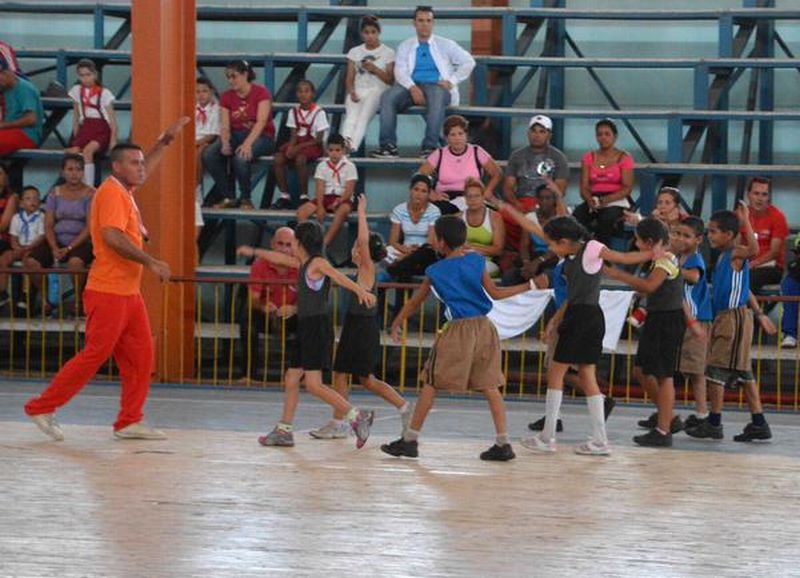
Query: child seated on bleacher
pixel 94 126
pixel 790 287
pixel 309 124
pixel 335 181
pixel 206 131
pixel 26 233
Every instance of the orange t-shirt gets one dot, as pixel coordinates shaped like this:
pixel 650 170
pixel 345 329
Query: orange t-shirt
pixel 113 206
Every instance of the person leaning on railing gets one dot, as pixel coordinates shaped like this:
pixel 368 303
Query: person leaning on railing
pixel 273 303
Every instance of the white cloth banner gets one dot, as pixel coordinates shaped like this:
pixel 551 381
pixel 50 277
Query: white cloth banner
pixel 515 315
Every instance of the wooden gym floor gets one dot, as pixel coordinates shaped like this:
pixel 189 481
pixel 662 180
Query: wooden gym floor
pixel 211 502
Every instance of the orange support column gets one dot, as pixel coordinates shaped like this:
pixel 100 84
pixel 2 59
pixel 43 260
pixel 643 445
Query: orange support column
pixel 163 74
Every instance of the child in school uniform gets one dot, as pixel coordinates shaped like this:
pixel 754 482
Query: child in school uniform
pixel 310 353
pixel 94 124
pixel 579 322
pixel 466 353
pixel 26 232
pixel 729 363
pixel 660 342
pixel 360 341
pixel 206 131
pixel 309 124
pixel 335 182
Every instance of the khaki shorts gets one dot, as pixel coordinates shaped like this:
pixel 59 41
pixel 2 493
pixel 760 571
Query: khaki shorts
pixel 694 351
pixel 465 356
pixel 729 344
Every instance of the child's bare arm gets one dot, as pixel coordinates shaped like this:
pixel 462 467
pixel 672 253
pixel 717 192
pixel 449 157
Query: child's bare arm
pixel 323 266
pixel 630 258
pixel 523 221
pixel 366 267
pixel 643 285
pixel 749 249
pixel 275 257
pixel 417 299
pixel 496 292
pixel 691 276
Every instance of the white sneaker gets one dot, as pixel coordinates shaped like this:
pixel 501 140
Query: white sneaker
pixel 789 342
pixel 139 431
pixel 49 426
pixel 593 448
pixel 331 431
pixel 537 444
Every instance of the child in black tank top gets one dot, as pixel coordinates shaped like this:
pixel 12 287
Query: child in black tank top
pixel 311 352
pixel 579 322
pixel 360 341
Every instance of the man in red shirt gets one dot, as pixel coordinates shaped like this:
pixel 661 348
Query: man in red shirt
pixel 117 322
pixel 268 302
pixel 771 230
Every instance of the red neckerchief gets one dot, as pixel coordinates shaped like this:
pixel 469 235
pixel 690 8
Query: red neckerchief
pixel 337 170
pixel 201 114
pixel 303 118
pixel 90 97
pixel 142 228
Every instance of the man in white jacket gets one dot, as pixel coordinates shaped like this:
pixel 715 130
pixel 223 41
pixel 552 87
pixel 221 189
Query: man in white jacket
pixel 427 72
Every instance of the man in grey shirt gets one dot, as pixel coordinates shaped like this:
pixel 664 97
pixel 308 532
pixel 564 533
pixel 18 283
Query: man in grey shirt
pixel 530 168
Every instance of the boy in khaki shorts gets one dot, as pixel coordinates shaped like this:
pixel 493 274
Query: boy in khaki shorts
pixel 466 354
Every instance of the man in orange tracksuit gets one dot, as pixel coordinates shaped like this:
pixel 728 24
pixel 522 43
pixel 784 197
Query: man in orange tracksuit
pixel 117 322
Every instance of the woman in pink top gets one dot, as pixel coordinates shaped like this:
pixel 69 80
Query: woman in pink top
pixel 456 163
pixel 606 183
pixel 246 133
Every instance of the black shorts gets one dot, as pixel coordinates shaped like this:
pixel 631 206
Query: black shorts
pixel 359 346
pixel 580 335
pixel 4 246
pixel 661 342
pixel 44 255
pixel 311 350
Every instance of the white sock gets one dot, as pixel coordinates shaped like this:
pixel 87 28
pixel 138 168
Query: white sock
pixel 404 408
pixel 88 174
pixel 411 435
pixel 352 413
pixel 597 418
pixel 552 406
pixel 287 427
pixel 283 195
pixel 501 439
pixel 702 415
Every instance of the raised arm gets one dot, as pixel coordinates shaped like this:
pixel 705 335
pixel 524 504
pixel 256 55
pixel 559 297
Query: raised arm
pixel 362 240
pixel 324 267
pixel 749 249
pixel 154 155
pixel 274 257
pixel 523 221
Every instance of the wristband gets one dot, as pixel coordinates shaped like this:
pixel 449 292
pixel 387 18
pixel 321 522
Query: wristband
pixel 531 284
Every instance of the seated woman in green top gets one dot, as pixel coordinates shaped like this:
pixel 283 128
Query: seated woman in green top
pixel 486 233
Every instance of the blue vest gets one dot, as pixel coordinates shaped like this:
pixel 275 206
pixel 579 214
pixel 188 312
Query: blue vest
pixel 697 295
pixel 730 288
pixel 559 284
pixel 457 282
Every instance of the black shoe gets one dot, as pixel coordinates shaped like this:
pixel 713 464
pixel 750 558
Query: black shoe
pixel 538 425
pixel 649 423
pixel 608 406
pixel 498 453
pixel 282 204
pixel 400 448
pixel 676 425
pixel 753 432
pixel 385 152
pixel 654 439
pixel 704 430
pixel 692 422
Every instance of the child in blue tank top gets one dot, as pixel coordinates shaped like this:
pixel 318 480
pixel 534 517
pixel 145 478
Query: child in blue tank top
pixel 729 361
pixel 466 354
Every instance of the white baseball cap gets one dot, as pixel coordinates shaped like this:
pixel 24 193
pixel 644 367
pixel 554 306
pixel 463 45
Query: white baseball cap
pixel 541 120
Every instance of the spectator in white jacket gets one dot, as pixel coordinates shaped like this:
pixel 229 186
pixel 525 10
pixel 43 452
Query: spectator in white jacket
pixel 427 72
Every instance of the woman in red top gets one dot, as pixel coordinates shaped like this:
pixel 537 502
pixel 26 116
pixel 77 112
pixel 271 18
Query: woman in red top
pixel 606 183
pixel 246 133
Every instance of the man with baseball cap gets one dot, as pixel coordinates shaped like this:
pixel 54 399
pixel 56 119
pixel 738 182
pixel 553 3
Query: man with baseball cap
pixel 529 168
pixel 23 114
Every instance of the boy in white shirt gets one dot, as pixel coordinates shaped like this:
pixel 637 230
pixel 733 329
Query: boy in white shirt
pixel 26 231
pixel 335 179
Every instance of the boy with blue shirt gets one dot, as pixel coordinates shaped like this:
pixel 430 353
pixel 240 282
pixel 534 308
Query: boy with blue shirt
pixel 729 363
pixel 466 354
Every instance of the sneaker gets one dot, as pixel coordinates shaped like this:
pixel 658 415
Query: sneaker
pixel 278 438
pixel 654 439
pixel 692 421
pixel 608 406
pixel 4 299
pixel 425 153
pixel 537 444
pixel 704 430
pixel 401 448
pixel 538 425
pixel 676 425
pixel 498 453
pixel 49 426
pixel 361 425
pixel 332 430
pixel 788 342
pixel 753 432
pixel 282 204
pixel 592 448
pixel 385 152
pixel 139 431
pixel 405 417
pixel 649 423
